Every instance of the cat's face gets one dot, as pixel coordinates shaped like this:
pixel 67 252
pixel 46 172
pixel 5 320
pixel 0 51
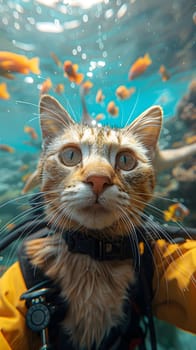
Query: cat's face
pixel 96 178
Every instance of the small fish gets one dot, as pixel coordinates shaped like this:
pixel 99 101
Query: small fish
pixel 33 143
pixel 194 17
pixel 177 144
pixel 56 59
pixel 59 88
pixel 176 212
pixel 190 139
pixel 46 86
pixel 4 94
pixel 164 98
pixel 11 62
pixel 139 66
pixel 71 73
pixel 86 86
pixel 24 167
pixel 99 117
pixel 31 131
pixel 99 96
pixel 164 73
pixel 112 109
pixel 25 177
pixel 123 93
pixel 7 148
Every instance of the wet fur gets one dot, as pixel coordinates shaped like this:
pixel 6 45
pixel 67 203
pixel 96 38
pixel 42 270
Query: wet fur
pixel 95 290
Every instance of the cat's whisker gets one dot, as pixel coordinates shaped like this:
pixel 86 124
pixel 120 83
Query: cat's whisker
pixel 156 196
pixel 157 211
pixel 132 235
pixel 23 234
pixel 17 219
pixel 27 103
pixel 35 118
pixel 156 233
pixel 72 109
pixel 147 239
pixel 148 205
pixel 133 108
pixel 21 197
pixel 12 200
pixel 170 240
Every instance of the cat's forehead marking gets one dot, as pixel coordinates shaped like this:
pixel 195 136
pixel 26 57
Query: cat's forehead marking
pixel 100 136
pixel 101 140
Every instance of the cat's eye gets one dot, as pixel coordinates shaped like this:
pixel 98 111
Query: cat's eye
pixel 70 156
pixel 125 160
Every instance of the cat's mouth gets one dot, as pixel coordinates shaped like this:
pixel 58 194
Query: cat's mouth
pixel 96 207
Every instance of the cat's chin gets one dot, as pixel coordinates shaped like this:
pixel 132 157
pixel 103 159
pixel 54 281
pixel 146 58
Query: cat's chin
pixel 95 217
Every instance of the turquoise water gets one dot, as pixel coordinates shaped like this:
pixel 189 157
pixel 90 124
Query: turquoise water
pixel 104 38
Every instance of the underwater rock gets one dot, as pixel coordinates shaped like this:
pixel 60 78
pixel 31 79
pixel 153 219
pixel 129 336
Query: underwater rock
pixel 185 175
pixel 186 109
pixel 179 182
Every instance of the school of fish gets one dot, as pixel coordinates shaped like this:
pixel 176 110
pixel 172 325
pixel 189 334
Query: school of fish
pixel 12 63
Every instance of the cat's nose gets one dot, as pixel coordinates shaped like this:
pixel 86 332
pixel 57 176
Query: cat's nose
pixel 98 182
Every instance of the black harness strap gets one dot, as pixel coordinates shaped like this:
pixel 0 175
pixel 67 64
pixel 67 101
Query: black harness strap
pixel 46 308
pixel 99 249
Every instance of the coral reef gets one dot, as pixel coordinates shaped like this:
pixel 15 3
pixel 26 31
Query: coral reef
pixel 179 182
pixel 185 175
pixel 186 109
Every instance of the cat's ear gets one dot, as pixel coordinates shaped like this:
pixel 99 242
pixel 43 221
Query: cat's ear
pixel 53 118
pixel 147 128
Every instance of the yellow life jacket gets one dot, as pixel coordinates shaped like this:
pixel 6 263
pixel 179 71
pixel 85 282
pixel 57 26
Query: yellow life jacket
pixel 174 294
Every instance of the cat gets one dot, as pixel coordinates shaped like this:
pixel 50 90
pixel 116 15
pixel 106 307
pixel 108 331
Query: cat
pixel 96 180
pixel 163 159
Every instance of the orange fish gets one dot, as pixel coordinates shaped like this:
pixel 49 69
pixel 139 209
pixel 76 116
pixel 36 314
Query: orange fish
pixel 46 86
pixel 177 144
pixel 99 96
pixel 24 167
pixel 25 177
pixel 7 148
pixel 11 62
pixel 139 66
pixel 112 109
pixel 164 73
pixel 190 139
pixel 59 89
pixel 122 92
pixel 70 70
pixel 194 17
pixel 4 94
pixel 99 117
pixel 31 131
pixel 86 86
pixel 56 59
pixel 176 212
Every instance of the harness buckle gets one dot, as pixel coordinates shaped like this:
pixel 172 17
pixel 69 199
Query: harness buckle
pixel 39 313
pixel 110 250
